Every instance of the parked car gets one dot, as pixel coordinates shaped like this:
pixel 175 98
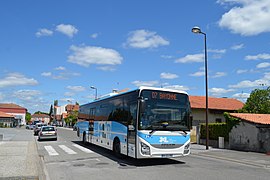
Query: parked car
pixel 47 132
pixel 27 126
pixel 38 127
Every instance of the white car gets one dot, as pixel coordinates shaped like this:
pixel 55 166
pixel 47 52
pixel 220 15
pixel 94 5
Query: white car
pixel 47 132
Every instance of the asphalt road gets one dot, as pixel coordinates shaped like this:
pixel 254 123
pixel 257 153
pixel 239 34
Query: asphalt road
pixel 68 159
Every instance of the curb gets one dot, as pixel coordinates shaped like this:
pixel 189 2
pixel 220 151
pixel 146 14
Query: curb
pixel 232 160
pixel 42 171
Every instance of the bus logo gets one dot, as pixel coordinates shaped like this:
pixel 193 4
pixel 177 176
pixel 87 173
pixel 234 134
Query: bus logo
pixel 163 140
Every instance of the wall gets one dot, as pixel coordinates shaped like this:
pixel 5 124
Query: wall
pixel 199 116
pixel 245 137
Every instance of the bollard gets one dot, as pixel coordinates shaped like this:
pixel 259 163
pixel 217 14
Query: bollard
pixel 1 137
pixel 221 142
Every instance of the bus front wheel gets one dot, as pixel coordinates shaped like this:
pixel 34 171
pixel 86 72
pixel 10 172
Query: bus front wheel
pixel 117 147
pixel 84 138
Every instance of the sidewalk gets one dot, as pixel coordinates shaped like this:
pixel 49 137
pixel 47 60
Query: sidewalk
pixel 18 160
pixel 247 158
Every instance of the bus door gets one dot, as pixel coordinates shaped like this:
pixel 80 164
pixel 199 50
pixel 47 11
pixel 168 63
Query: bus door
pixel 131 127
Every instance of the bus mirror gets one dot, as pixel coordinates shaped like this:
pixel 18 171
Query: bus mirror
pixel 131 128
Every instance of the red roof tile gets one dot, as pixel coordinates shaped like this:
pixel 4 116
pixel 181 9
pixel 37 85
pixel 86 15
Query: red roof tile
pixel 198 102
pixel 2 114
pixel 255 118
pixel 10 106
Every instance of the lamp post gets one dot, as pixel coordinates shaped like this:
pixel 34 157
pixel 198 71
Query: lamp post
pixel 197 30
pixel 92 87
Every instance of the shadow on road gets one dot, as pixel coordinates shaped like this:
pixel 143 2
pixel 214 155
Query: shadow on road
pixel 128 161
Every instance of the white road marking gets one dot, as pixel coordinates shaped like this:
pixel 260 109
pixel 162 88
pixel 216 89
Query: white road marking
pixel 82 148
pixel 67 150
pixel 51 150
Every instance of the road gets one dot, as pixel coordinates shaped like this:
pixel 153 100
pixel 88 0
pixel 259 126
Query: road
pixel 68 159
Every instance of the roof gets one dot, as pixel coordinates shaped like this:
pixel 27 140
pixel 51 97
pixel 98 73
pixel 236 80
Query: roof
pixel 10 106
pixel 198 102
pixel 71 107
pixel 255 118
pixel 2 114
pixel 40 116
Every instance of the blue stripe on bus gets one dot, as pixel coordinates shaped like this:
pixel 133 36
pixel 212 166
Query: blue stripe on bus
pixel 164 139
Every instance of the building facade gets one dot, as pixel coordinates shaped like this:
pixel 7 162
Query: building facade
pixel 252 133
pixel 41 117
pixel 17 111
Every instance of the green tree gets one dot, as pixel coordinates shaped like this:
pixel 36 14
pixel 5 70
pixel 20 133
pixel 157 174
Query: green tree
pixel 258 102
pixel 28 117
pixel 72 118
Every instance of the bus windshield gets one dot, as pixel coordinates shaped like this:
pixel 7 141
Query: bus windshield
pixel 166 111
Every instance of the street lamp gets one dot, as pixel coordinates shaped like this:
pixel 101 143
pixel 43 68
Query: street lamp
pixel 197 30
pixel 92 87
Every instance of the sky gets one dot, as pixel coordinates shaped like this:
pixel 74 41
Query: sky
pixel 56 50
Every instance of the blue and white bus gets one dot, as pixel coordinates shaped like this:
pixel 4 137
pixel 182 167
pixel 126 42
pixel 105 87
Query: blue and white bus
pixel 143 123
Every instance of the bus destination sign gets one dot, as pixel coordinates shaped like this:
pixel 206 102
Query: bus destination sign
pixel 164 95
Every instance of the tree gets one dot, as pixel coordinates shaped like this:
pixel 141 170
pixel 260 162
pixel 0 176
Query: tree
pixel 72 117
pixel 28 117
pixel 258 102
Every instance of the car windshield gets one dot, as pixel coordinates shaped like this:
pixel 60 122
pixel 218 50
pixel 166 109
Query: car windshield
pixel 48 129
pixel 164 111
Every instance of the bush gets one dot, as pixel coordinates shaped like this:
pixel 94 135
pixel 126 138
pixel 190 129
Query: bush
pixel 219 129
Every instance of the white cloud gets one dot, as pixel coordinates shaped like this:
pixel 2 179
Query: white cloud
pixel 177 87
pixel 76 88
pixel 219 51
pixel 166 56
pixel 237 47
pixel 94 36
pixel 165 75
pixel 241 96
pixel 67 29
pixel 198 74
pixel 60 68
pixel 253 84
pixel 145 83
pixel 263 56
pixel 46 74
pixel 26 95
pixel 106 68
pixel 219 74
pixel 190 58
pixel 17 79
pixel 69 94
pixel 263 65
pixel 220 91
pixel 247 17
pixel 145 39
pixel 84 56
pixel 241 71
pixel 44 32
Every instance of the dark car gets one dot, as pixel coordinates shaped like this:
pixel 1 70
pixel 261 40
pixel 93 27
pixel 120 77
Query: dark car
pixel 38 127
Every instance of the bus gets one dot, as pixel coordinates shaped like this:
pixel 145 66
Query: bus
pixel 146 122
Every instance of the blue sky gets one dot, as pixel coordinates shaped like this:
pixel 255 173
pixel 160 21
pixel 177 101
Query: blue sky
pixel 55 50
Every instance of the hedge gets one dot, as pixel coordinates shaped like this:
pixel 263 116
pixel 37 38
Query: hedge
pixel 219 129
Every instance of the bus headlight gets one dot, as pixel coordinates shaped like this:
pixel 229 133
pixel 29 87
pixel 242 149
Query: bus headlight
pixel 145 149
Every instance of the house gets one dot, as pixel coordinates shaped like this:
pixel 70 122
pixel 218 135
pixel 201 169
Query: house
pixel 7 120
pixel 216 108
pixel 17 111
pixel 252 133
pixel 41 117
